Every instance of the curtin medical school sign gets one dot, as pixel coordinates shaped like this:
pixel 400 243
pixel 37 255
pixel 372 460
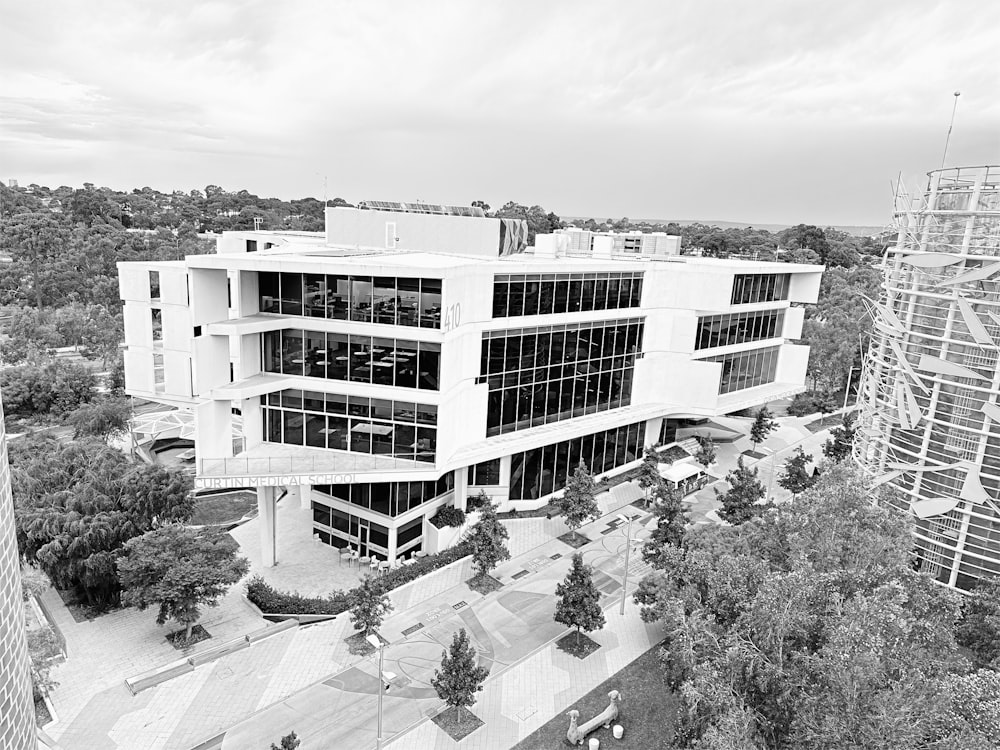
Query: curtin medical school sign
pixel 289 480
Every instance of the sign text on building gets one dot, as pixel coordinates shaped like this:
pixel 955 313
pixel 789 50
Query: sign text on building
pixel 216 483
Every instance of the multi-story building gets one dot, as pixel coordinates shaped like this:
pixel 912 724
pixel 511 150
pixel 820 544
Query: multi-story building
pixel 17 709
pixel 405 359
pixel 930 421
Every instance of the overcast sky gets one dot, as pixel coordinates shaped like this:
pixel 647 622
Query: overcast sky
pixel 760 112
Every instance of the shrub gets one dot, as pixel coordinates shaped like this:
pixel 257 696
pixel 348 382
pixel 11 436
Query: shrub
pixel 273 602
pixel 448 515
pixel 477 501
pixel 811 402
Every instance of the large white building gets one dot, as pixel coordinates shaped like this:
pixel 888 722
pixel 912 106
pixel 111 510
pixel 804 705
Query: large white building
pixel 930 402
pixel 405 360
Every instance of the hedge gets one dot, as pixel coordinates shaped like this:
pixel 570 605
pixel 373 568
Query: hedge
pixel 270 601
pixel 448 515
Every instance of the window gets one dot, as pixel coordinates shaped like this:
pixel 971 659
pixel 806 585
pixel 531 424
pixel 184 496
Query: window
pixel 546 374
pixel 486 474
pixel 251 246
pixel 544 294
pixel 360 359
pixel 749 289
pixel 154 285
pixel 738 328
pixel 742 370
pixel 387 498
pixel 539 472
pixel 359 424
pixel 387 300
pixel 156 321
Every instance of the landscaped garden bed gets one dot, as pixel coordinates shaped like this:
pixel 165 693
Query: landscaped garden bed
pixel 223 509
pixel 458 723
pixel 80 610
pixel 646 711
pixel 573 539
pixel 577 644
pixel 484 584
pixel 270 601
pixel 179 640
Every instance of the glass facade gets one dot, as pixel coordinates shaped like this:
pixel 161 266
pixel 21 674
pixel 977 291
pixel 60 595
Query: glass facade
pixel 370 299
pixel 750 288
pixel 387 498
pixel 360 359
pixel 485 474
pixel 542 375
pixel 400 429
pixel 545 294
pixel 738 328
pixel 542 471
pixel 742 370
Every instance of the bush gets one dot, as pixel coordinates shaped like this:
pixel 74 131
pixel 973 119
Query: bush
pixel 811 402
pixel 273 602
pixel 56 388
pixel 477 501
pixel 448 515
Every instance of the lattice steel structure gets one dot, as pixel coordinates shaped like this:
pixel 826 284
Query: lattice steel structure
pixel 17 710
pixel 929 426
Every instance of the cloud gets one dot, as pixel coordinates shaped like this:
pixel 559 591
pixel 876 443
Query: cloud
pixel 683 109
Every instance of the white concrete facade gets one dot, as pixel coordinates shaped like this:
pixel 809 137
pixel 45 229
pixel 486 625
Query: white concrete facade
pixel 219 358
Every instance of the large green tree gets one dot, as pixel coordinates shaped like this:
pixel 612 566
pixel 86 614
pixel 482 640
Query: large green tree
pixel 180 570
pixel 577 503
pixel 796 477
pixel 77 504
pixel 369 604
pixel 459 677
pixel 745 490
pixel 671 518
pixel 806 627
pixel 488 540
pixel 578 602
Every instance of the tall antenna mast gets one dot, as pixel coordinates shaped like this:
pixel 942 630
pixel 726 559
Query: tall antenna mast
pixel 950 126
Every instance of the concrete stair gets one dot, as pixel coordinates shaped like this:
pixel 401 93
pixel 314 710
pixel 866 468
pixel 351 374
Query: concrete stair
pixel 690 445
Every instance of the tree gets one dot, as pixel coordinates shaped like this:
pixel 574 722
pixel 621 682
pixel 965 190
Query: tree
pixel 577 503
pixel 649 470
pixel 671 519
pixel 706 451
pixel 180 570
pixel 744 491
pixel 797 478
pixel 763 425
pixel 53 388
pixel 459 678
pixel 77 504
pixel 979 629
pixel 578 602
pixel 807 627
pixel 488 540
pixel 107 417
pixel 841 441
pixel 288 742
pixel 369 606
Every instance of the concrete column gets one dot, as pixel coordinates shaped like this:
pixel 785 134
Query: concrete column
pixel 393 543
pixel 267 514
pixel 461 487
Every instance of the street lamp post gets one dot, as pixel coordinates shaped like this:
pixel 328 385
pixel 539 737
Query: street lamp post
pixel 375 641
pixel 628 548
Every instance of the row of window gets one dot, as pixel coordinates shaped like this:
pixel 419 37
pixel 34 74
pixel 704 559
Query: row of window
pixel 738 328
pixel 589 375
pixel 485 474
pixel 545 294
pixel 382 435
pixel 359 359
pixel 355 406
pixel 743 370
pixel 542 471
pixel 387 498
pixel 369 299
pixel 750 288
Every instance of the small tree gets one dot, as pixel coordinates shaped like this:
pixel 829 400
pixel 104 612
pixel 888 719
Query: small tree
pixel 108 417
pixel 797 478
pixel 649 470
pixel 459 678
pixel 744 491
pixel 763 425
pixel 706 452
pixel 841 441
pixel 489 541
pixel 671 519
pixel 181 570
pixel 288 742
pixel 369 606
pixel 579 602
pixel 577 503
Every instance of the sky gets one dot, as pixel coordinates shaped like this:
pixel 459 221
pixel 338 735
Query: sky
pixel 776 111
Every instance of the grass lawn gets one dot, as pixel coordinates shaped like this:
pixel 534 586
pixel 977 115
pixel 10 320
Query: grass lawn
pixel 224 508
pixel 646 711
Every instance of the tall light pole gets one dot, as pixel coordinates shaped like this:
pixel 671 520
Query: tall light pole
pixel 628 548
pixel 944 156
pixel 375 641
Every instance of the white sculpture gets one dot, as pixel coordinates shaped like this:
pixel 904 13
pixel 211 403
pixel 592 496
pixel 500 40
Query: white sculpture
pixel 576 734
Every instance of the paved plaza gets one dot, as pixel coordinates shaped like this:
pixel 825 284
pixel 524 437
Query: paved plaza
pixel 305 680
